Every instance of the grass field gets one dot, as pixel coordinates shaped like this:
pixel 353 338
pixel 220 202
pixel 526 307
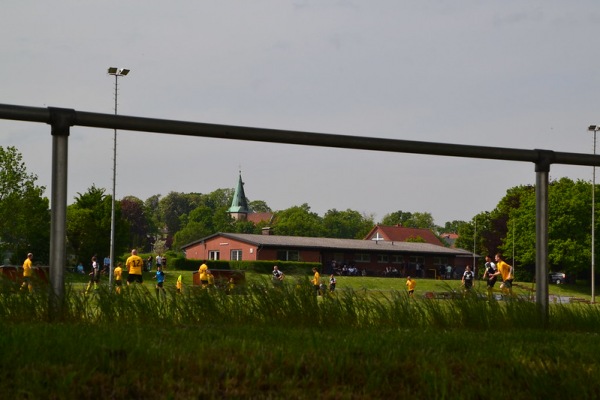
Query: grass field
pixel 367 341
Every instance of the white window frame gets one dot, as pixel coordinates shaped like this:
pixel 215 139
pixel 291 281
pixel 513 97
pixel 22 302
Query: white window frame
pixel 235 255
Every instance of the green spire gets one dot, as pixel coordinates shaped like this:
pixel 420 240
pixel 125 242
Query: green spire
pixel 239 204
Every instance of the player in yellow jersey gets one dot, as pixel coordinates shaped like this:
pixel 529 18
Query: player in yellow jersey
pixel 316 281
pixel 134 266
pixel 118 273
pixel 411 284
pixel 179 284
pixel 27 273
pixel 507 274
pixel 203 275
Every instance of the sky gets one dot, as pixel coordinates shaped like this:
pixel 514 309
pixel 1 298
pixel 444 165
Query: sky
pixel 501 73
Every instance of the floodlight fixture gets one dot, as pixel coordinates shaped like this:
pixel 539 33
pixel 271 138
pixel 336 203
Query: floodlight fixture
pixel 594 128
pixel 118 71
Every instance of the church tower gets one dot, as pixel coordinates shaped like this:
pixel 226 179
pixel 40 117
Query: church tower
pixel 239 209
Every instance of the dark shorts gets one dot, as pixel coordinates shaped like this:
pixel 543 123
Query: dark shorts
pixel 204 282
pixel 119 282
pixel 491 282
pixel 159 284
pixel 411 291
pixel 508 283
pixel 468 283
pixel 134 278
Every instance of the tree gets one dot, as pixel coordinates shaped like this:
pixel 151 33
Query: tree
pixel 347 224
pixel 24 211
pixel 259 206
pixel 89 225
pixel 174 205
pixel 453 226
pixel 202 221
pixel 299 221
pixel 569 227
pixel 134 212
pixel 410 220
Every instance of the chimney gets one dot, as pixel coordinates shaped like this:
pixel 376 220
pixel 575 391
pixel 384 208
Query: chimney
pixel 267 230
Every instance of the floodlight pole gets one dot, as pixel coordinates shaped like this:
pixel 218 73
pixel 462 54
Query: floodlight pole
pixel 594 129
pixel 116 72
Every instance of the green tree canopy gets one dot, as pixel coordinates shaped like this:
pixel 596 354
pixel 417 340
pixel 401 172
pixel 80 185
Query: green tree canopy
pixel 347 224
pixel 89 225
pixel 299 221
pixel 24 212
pixel 135 213
pixel 410 220
pixel 173 206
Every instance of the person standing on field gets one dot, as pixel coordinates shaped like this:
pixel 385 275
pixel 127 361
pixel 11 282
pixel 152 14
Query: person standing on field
pixel 179 284
pixel 489 275
pixel 411 284
pixel 134 265
pixel 316 281
pixel 332 282
pixel 203 275
pixel 94 275
pixel 160 282
pixel 467 278
pixel 118 273
pixel 27 273
pixel 278 276
pixel 506 272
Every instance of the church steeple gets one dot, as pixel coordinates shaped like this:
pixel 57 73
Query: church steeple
pixel 239 205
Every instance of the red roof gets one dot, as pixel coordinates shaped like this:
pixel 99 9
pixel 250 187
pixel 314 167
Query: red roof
pixel 259 217
pixel 398 233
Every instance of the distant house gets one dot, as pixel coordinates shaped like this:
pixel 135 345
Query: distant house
pixel 450 238
pixel 373 256
pixel 399 233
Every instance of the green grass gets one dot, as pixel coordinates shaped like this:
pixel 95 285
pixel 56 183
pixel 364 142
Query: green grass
pixel 366 341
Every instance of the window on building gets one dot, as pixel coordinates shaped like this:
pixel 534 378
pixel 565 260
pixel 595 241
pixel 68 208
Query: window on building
pixel 214 255
pixel 397 259
pixel 362 258
pixel 414 260
pixel 288 255
pixel 383 258
pixel 235 255
pixel 440 261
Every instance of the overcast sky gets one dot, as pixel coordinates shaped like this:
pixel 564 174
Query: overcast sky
pixel 518 74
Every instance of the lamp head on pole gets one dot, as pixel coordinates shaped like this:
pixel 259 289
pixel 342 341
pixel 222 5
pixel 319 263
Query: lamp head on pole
pixel 594 128
pixel 118 71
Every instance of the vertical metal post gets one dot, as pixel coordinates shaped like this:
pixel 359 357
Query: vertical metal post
pixel 117 72
pixel 114 192
pixel 542 169
pixel 475 247
pixel 61 121
pixel 593 277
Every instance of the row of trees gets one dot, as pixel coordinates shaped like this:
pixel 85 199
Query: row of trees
pixel 510 228
pixel 162 223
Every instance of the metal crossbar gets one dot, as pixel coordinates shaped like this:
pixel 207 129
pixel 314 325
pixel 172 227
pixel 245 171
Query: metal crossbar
pixel 62 119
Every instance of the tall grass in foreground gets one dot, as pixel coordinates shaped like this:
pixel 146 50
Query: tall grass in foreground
pixel 295 304
pixel 270 343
